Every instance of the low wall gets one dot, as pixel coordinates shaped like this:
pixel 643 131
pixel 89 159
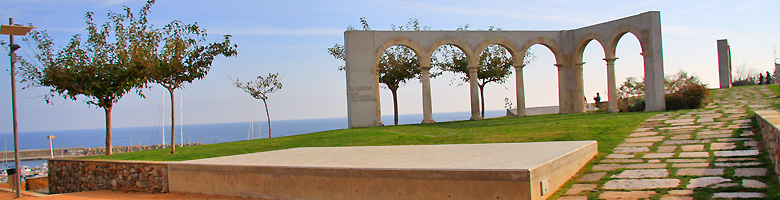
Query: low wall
pixel 125 149
pixel 71 175
pixel 768 121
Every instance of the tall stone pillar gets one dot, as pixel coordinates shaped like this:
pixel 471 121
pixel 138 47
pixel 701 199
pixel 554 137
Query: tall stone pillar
pixel 579 89
pixel 612 105
pixel 425 77
pixel 563 106
pixel 777 73
pixel 724 63
pixel 654 65
pixel 474 86
pixel 520 90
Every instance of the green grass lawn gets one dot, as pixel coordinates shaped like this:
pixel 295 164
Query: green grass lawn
pixel 609 129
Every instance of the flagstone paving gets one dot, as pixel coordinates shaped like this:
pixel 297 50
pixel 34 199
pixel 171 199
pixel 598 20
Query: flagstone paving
pixel 707 153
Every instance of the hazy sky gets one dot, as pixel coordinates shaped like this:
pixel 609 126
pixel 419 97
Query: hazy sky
pixel 291 37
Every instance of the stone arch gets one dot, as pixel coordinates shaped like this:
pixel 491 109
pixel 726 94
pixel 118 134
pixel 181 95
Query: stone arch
pixel 550 44
pixel 618 33
pixel 499 41
pixel 364 48
pixel 418 50
pixel 464 47
pixel 583 42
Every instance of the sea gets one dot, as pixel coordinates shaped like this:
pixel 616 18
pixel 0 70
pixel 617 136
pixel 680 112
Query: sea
pixel 198 133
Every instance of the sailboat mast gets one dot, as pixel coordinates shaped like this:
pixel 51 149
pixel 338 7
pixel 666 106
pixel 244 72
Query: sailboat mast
pixel 181 117
pixel 162 105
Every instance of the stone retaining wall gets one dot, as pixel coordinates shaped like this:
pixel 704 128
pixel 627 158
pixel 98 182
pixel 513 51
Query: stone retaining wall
pixel 71 175
pixel 768 121
pixel 125 149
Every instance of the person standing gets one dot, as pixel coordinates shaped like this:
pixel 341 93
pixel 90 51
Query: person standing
pixel 597 99
pixel 768 78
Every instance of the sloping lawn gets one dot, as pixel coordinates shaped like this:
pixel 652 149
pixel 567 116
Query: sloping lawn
pixel 609 129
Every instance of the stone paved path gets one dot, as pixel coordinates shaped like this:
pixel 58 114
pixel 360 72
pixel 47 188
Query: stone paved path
pixel 678 154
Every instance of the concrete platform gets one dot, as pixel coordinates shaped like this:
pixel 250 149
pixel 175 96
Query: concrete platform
pixel 464 171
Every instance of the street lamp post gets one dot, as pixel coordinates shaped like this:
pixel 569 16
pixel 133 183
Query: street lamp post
pixel 12 30
pixel 51 149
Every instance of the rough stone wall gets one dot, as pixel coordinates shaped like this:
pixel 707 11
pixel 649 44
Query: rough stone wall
pixel 771 138
pixel 125 149
pixel 70 175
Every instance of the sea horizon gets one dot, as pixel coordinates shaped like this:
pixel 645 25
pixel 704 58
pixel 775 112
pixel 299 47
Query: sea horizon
pixel 206 133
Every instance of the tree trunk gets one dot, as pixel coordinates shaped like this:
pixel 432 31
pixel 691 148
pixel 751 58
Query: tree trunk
pixel 173 122
pixel 267 114
pixel 482 98
pixel 109 149
pixel 395 104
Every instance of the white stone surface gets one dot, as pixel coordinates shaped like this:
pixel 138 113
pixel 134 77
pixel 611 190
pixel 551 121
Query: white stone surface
pixel 732 195
pixel 705 181
pixel 736 164
pixel 736 153
pixel 635 184
pixel 460 156
pixel 746 172
pixel 658 155
pixel 642 173
pixel 631 149
pixel 702 154
pixel 750 183
pixel 722 146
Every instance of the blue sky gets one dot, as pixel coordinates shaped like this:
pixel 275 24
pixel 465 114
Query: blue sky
pixel 291 37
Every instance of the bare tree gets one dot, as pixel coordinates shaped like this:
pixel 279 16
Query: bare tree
pixel 260 88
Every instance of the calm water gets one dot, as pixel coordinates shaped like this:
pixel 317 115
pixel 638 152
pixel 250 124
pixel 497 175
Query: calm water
pixel 204 133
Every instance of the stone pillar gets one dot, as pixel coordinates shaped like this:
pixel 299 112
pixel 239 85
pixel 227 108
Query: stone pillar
pixel 425 77
pixel 563 106
pixel 474 86
pixel 579 89
pixel 375 71
pixel 520 90
pixel 724 63
pixel 777 73
pixel 612 104
pixel 654 64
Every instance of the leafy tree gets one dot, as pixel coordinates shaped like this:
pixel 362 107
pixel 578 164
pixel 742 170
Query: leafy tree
pixel 682 91
pixel 102 69
pixel 183 59
pixel 260 88
pixel 397 65
pixel 495 64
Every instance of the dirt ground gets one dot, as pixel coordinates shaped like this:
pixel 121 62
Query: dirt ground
pixel 121 195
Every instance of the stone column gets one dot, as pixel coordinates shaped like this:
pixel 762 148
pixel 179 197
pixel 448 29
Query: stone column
pixel 654 65
pixel 375 71
pixel 724 63
pixel 563 107
pixel 474 86
pixel 520 90
pixel 579 89
pixel 425 77
pixel 612 104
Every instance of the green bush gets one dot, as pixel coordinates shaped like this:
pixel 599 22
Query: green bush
pixel 674 101
pixel 690 96
pixel 743 82
pixel 683 91
pixel 637 106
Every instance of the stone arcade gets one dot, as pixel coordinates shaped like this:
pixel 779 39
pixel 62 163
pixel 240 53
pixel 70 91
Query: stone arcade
pixel 363 49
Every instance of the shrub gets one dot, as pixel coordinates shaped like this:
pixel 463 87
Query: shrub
pixel 674 101
pixel 683 91
pixel 744 82
pixel 690 96
pixel 637 106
